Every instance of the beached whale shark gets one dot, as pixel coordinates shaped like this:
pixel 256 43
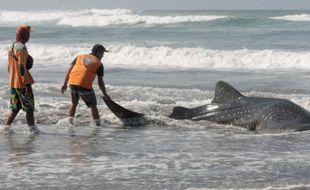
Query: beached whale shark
pixel 259 114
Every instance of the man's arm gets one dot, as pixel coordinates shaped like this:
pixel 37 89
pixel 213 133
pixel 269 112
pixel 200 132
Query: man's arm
pixel 102 87
pixel 100 73
pixel 22 59
pixel 22 55
pixel 64 86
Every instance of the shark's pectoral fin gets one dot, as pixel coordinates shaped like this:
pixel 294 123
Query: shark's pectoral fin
pixel 181 113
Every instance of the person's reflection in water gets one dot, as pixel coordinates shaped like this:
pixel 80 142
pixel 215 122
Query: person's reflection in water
pixel 20 148
pixel 84 146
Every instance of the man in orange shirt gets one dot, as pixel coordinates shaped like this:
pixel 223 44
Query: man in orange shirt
pixel 81 75
pixel 19 62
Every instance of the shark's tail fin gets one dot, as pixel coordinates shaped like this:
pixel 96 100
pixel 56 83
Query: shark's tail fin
pixel 128 117
pixel 180 113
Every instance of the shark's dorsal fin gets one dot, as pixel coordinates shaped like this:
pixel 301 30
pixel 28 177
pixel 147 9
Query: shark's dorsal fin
pixel 224 92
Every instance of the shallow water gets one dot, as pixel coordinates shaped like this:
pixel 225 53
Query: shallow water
pixel 167 153
pixel 153 157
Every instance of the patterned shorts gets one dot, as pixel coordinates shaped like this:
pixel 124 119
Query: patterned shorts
pixel 21 101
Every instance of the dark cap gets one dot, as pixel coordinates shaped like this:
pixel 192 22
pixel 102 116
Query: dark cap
pixel 98 48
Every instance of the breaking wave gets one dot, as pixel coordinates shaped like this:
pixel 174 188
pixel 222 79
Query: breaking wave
pixel 99 18
pixel 130 56
pixel 295 17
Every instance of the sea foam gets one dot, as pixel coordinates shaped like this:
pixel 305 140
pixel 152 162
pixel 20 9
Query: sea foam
pixel 131 56
pixel 98 17
pixel 95 20
pixel 295 17
pixel 45 15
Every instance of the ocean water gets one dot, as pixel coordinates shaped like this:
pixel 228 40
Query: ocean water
pixel 158 60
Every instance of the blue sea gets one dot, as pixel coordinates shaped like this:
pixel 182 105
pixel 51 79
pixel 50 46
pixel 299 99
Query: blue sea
pixel 158 60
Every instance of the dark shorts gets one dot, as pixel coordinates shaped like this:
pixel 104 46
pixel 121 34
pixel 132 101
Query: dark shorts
pixel 20 101
pixel 87 95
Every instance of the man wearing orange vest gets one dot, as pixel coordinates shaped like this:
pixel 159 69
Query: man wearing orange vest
pixel 20 79
pixel 81 76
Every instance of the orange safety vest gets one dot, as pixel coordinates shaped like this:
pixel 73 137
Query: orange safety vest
pixel 84 71
pixel 17 56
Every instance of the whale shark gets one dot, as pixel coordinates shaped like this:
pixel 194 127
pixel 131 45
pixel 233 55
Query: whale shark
pixel 259 114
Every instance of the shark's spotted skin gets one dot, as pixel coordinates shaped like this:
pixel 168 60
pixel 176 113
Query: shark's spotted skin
pixel 255 113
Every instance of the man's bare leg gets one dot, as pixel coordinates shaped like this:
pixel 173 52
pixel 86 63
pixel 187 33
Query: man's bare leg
pixel 95 114
pixel 72 111
pixel 9 121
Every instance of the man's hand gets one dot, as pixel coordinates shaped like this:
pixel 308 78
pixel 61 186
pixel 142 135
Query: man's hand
pixel 63 88
pixel 107 97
